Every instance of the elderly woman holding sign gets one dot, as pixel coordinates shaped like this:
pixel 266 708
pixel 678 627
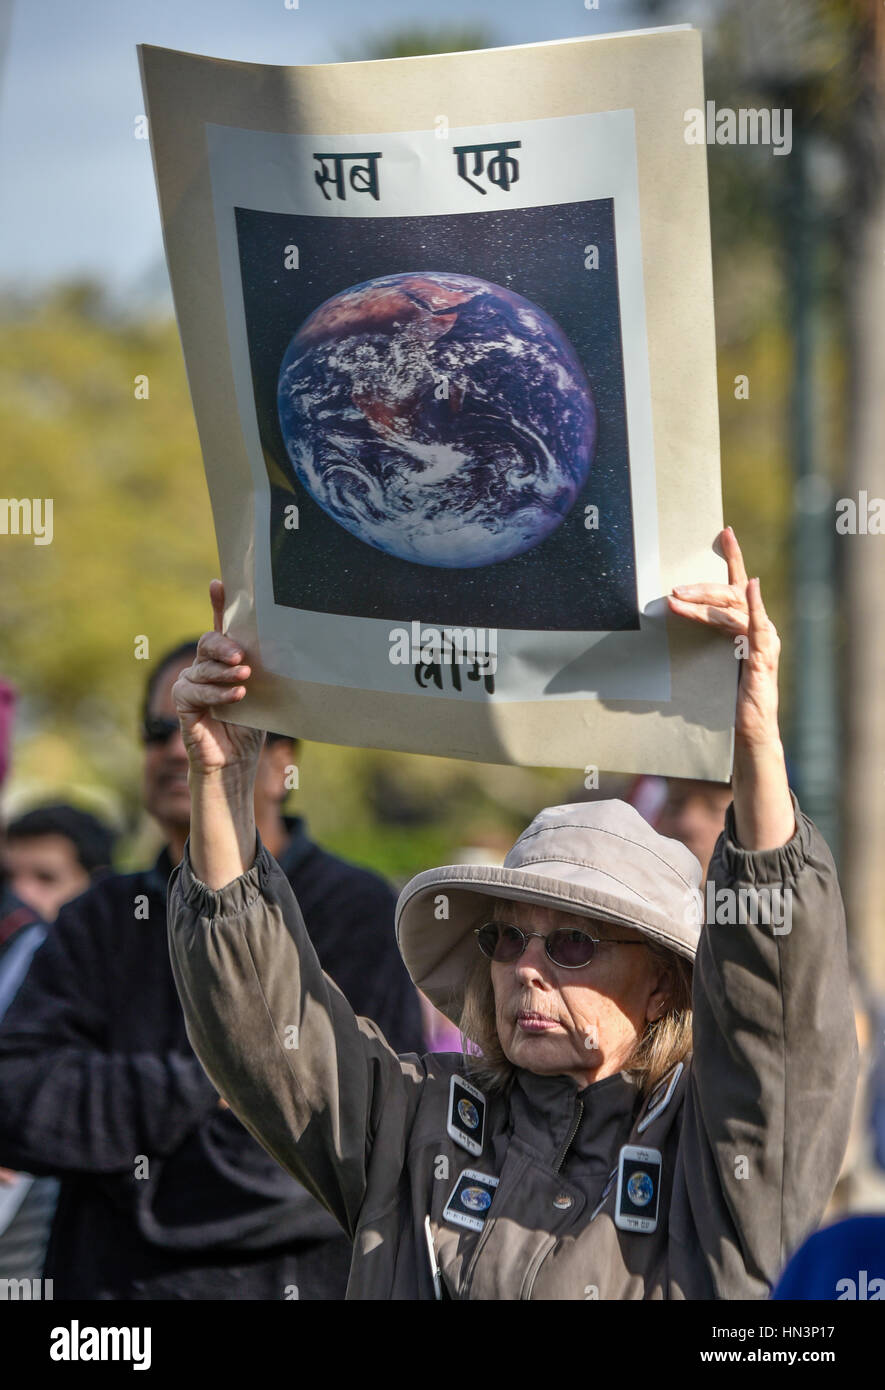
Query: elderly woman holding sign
pixel 654 1106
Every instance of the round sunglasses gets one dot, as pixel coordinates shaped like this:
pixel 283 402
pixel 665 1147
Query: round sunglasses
pixel 566 947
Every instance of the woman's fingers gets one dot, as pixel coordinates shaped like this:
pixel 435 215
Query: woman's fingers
pixel 737 609
pixel 730 595
pixel 719 605
pixel 737 574
pixel 215 646
pixel 763 633
pixel 752 621
pixel 217 672
pixel 214 678
pixel 216 596
pixel 732 619
pixel 722 595
pixel 197 695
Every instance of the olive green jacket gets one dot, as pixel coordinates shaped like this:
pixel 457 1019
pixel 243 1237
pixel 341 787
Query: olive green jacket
pixel 751 1140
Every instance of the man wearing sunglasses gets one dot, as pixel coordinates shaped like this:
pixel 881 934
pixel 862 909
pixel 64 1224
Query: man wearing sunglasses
pixel 164 1194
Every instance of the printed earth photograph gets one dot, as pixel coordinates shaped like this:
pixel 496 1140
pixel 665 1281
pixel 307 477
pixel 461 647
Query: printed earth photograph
pixel 440 418
pixel 449 432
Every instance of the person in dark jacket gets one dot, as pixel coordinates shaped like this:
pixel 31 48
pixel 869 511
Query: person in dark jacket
pixel 26 1204
pixel 164 1194
pixel 21 926
pixel 53 852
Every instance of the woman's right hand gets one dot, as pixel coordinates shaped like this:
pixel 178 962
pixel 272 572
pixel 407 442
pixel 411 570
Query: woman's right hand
pixel 216 678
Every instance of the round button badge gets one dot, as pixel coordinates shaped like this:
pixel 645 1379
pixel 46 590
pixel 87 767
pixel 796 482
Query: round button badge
pixel 563 1201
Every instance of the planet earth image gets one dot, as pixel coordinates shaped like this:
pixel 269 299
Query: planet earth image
pixel 468 1114
pixel 640 1189
pixel 440 418
pixel 476 1199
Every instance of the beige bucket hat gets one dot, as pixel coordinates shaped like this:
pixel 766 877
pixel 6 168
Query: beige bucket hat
pixel 594 858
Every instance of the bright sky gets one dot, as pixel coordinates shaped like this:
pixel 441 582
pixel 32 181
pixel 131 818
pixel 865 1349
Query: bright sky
pixel 78 188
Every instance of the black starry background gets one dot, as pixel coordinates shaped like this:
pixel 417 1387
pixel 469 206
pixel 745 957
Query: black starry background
pixel 575 580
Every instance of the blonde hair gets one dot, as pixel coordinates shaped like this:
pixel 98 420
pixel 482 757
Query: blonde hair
pixel 664 1041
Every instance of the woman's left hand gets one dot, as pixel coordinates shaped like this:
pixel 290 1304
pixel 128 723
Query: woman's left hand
pixel 736 608
pixel 763 807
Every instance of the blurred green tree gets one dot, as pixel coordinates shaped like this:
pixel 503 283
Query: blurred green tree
pixel 413 40
pixel 134 546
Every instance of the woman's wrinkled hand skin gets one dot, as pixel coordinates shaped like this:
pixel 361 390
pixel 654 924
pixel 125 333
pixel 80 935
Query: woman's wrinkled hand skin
pixel 223 757
pixel 736 608
pixel 763 807
pixel 213 681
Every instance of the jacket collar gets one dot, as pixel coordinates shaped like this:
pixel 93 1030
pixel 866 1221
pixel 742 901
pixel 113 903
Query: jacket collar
pixel 298 846
pixel 157 877
pixel 544 1110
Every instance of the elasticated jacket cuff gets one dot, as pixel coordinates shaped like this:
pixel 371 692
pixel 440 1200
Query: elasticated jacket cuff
pixel 759 866
pixel 235 897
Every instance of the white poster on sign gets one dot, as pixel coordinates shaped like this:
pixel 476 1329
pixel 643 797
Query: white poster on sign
pixel 450 345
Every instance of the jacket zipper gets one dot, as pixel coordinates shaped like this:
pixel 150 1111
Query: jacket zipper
pixel 560 1159
pixel 579 1110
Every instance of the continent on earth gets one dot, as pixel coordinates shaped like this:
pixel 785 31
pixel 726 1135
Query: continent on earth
pixel 440 418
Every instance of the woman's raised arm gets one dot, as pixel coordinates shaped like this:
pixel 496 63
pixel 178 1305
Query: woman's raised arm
pixel 223 757
pixel 312 1082
pixel 763 807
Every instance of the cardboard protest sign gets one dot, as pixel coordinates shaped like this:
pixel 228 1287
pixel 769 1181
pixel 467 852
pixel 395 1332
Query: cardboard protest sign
pixel 448 328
